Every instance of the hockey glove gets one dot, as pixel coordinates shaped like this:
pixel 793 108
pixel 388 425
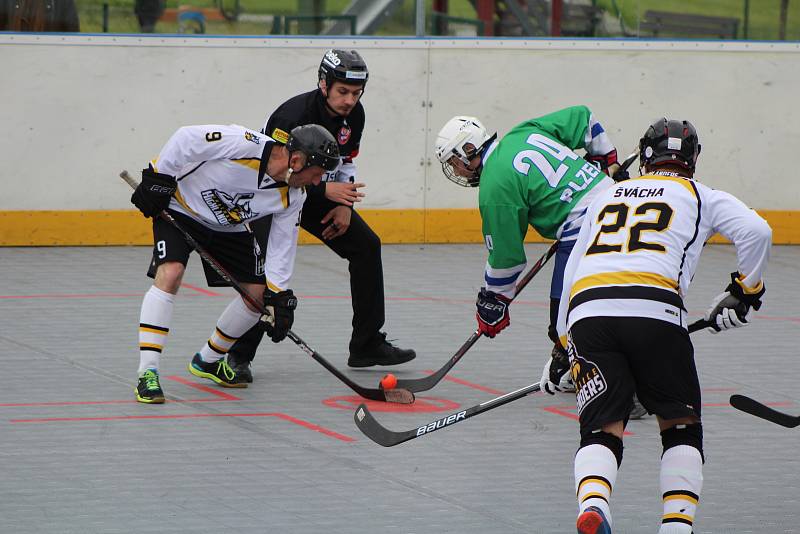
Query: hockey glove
pixel 603 162
pixel 154 193
pixel 732 308
pixel 556 375
pixel 621 175
pixel 280 307
pixel 492 312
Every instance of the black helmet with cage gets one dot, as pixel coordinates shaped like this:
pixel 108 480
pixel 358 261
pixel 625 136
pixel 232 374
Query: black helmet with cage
pixel 317 143
pixel 670 142
pixel 345 66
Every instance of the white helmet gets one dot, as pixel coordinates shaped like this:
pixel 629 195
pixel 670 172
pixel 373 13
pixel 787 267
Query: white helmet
pixel 458 132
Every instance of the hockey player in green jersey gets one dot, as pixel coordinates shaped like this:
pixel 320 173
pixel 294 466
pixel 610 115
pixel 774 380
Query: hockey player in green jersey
pixel 531 176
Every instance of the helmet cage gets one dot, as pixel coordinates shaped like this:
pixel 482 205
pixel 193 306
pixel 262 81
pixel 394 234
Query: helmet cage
pixel 462 138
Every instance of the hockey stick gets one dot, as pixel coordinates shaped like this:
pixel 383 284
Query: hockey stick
pixel 381 435
pixel 753 407
pixel 397 395
pixel 424 384
pixel 625 164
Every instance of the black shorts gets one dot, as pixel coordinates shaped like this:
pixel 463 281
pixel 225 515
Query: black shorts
pixel 242 254
pixel 617 356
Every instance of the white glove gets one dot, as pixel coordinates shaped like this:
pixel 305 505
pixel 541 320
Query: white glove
pixel 726 312
pixel 556 375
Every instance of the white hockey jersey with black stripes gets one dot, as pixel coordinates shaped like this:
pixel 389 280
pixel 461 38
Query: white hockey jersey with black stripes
pixel 640 244
pixel 217 169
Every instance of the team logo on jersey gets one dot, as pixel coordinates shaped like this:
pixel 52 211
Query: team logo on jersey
pixel 588 379
pixel 253 138
pixel 489 244
pixel 229 210
pixel 280 136
pixel 344 134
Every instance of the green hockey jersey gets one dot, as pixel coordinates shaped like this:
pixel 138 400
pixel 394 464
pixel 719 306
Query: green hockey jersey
pixel 532 176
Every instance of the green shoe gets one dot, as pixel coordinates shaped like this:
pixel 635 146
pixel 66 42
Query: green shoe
pixel 148 390
pixel 219 371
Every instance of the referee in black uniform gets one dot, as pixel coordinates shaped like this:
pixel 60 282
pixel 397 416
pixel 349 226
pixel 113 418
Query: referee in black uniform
pixel 328 212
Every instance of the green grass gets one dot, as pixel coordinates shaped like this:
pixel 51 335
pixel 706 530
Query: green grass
pixel 763 14
pixel 763 19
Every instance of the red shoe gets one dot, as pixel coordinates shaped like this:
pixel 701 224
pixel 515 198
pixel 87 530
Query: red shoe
pixel 593 521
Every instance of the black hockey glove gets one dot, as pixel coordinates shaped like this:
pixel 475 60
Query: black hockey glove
pixel 492 312
pixel 731 309
pixel 154 193
pixel 281 308
pixel 621 175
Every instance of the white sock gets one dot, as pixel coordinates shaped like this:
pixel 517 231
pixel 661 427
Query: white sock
pixel 595 476
pixel 232 324
pixel 681 482
pixel 154 321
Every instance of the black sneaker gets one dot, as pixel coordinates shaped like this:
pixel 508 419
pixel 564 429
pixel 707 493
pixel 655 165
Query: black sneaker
pixel 381 353
pixel 148 390
pixel 241 368
pixel 218 371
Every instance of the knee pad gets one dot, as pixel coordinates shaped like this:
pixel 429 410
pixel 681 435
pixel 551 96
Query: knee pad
pixel 605 439
pixel 691 435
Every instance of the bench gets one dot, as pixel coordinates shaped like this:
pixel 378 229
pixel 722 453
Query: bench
pixel 580 20
pixel 669 24
pixel 577 20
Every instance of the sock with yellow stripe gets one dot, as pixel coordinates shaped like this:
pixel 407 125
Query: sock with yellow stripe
pixel 232 324
pixel 154 321
pixel 681 482
pixel 595 474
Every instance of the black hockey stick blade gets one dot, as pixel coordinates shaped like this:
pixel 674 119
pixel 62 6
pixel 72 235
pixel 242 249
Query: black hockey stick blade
pixel 381 435
pixel 753 407
pixel 397 395
pixel 428 382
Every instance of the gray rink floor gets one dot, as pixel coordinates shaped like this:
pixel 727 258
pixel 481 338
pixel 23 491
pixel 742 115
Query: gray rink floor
pixel 79 455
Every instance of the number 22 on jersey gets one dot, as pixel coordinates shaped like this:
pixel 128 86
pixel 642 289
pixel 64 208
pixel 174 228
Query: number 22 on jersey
pixel 647 217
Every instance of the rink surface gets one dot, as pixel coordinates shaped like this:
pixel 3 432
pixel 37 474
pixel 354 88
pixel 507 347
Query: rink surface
pixel 79 455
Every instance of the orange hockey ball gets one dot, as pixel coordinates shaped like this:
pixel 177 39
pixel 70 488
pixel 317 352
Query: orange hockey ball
pixel 389 381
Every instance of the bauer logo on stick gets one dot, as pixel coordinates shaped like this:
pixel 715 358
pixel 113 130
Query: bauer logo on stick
pixel 444 421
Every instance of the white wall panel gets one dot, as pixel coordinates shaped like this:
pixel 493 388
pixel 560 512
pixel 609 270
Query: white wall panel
pixel 77 109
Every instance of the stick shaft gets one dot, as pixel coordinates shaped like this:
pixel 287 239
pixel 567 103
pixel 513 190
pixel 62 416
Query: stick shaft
pixel 428 382
pixel 398 395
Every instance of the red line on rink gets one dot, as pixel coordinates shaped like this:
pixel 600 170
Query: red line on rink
pixel 469 384
pixel 202 291
pixel 214 391
pixel 222 396
pixel 300 422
